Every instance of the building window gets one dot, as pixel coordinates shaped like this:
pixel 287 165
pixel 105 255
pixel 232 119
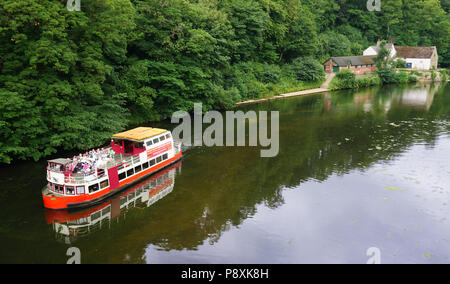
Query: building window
pixel 104 184
pixel 93 188
pixel 70 190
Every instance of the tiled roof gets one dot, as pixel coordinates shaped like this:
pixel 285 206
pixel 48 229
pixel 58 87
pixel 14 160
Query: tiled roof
pixel 415 51
pixel 355 60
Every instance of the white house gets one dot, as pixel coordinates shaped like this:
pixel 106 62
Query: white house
pixel 373 50
pixel 416 57
pixel 419 57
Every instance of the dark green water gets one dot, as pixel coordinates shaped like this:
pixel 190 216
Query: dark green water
pixel 356 169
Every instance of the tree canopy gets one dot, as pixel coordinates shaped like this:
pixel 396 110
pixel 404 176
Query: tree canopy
pixel 68 79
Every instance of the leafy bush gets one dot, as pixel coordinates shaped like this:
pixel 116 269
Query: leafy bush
pixel 433 76
pixel 387 75
pixel 412 79
pixel 400 63
pixel 443 74
pixel 402 77
pixel 270 74
pixel 307 69
pixel 367 82
pixel 345 79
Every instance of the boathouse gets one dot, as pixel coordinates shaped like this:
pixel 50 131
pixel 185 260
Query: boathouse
pixel 356 64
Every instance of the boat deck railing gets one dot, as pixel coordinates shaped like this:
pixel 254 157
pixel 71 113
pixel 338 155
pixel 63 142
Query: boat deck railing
pixel 120 161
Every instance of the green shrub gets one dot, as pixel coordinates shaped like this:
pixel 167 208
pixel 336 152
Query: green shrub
pixel 402 77
pixel 400 63
pixel 412 79
pixel 345 79
pixel 433 76
pixel 270 74
pixel 387 75
pixel 443 74
pixel 307 69
pixel 367 82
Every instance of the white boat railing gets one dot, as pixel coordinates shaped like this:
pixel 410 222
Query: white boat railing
pixel 120 160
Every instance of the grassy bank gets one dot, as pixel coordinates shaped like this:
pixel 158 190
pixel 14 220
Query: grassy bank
pixel 348 80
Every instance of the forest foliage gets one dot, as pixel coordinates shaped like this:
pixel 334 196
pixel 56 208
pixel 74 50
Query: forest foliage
pixel 69 79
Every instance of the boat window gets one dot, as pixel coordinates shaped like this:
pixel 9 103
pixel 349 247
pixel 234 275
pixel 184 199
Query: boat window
pixel 138 169
pixel 140 145
pixel 70 190
pixel 162 138
pixel 59 188
pixel 104 184
pixel 80 190
pixel 159 159
pixel 149 143
pixel 155 141
pixel 165 157
pixel 93 188
pixel 122 176
pixel 152 162
pixel 168 136
pixel 130 172
pixel 145 165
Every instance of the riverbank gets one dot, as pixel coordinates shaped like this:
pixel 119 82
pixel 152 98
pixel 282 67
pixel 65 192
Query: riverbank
pixel 288 95
pixel 331 83
pixel 322 89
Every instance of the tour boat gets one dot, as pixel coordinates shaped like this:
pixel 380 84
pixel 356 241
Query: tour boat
pixel 70 225
pixel 88 179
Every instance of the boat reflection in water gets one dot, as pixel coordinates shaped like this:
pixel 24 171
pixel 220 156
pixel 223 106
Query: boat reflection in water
pixel 71 225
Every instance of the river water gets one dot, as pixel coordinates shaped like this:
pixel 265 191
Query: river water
pixel 356 170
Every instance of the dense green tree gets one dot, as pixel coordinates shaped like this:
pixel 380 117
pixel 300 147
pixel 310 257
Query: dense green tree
pixel 55 75
pixel 70 79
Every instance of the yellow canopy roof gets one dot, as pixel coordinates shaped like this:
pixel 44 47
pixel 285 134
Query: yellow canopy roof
pixel 140 133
